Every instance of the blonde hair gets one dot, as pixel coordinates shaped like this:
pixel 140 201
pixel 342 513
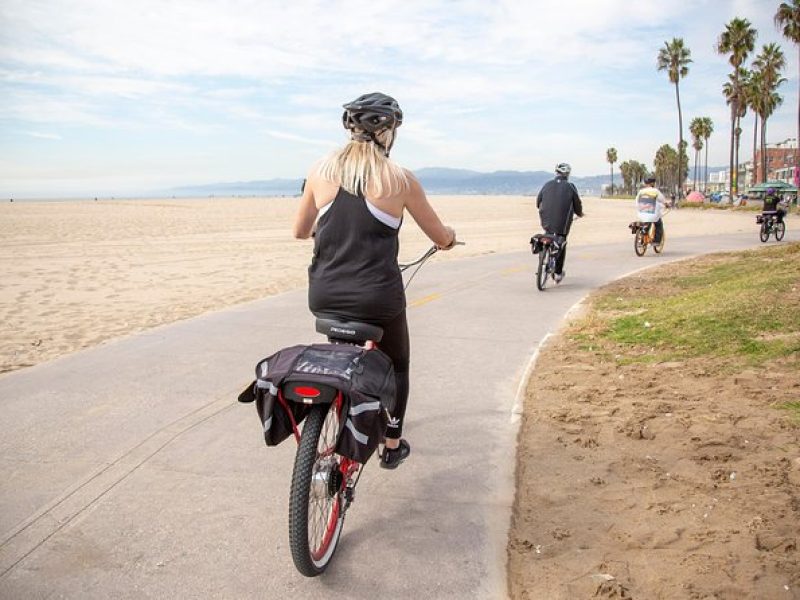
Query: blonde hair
pixel 362 166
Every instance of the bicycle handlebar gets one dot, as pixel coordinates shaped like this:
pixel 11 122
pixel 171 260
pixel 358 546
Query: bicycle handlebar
pixel 418 262
pixel 425 256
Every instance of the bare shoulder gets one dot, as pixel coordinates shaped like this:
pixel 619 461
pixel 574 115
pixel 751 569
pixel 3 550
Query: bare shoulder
pixel 324 191
pixel 414 190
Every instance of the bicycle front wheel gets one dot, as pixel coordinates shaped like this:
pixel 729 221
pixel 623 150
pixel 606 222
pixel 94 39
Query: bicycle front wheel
pixel 780 231
pixel 639 243
pixel 659 247
pixel 541 274
pixel 763 234
pixel 316 501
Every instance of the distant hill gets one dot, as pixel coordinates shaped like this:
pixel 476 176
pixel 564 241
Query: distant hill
pixel 435 180
pixel 268 187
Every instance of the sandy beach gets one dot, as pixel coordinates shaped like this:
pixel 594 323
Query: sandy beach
pixel 78 273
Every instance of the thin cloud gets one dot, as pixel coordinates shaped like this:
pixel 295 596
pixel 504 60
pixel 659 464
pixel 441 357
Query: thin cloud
pixel 43 136
pixel 282 135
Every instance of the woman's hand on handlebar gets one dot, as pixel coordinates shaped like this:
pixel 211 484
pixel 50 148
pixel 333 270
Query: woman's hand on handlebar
pixel 452 239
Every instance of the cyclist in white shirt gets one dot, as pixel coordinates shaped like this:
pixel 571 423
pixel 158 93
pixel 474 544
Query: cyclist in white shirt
pixel 651 204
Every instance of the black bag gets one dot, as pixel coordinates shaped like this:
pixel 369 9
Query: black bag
pixel 364 377
pixel 540 240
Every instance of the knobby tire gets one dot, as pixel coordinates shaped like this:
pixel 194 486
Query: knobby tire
pixel 312 514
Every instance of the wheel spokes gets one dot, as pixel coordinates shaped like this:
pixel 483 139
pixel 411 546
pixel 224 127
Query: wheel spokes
pixel 324 507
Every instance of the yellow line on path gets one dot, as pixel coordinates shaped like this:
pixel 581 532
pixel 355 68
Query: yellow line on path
pixel 425 300
pixel 517 269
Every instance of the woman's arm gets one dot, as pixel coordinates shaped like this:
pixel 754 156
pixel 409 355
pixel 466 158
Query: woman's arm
pixel 306 211
pixel 416 202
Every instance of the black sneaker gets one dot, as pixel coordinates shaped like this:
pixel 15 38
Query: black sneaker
pixel 391 458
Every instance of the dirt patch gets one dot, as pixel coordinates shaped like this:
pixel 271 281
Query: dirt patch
pixel 679 479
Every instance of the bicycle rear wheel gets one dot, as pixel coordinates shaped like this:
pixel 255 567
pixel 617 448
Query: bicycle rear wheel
pixel 542 273
pixel 780 231
pixel 763 234
pixel 639 243
pixel 316 499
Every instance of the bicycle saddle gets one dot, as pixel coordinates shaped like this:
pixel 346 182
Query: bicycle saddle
pixel 545 238
pixel 352 332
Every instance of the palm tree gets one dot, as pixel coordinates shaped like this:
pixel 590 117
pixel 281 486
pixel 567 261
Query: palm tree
pixel 752 95
pixel 625 170
pixel 611 157
pixel 674 58
pixel 738 40
pixel 734 92
pixel 768 65
pixel 665 164
pixel 708 129
pixel 788 20
pixel 696 129
pixel 638 172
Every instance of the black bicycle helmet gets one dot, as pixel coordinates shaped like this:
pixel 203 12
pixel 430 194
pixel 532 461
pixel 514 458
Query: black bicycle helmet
pixel 650 179
pixel 372 113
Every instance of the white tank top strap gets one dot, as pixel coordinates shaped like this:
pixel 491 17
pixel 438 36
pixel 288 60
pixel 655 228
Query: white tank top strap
pixel 383 217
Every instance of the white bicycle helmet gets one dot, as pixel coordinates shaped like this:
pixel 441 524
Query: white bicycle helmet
pixel 563 169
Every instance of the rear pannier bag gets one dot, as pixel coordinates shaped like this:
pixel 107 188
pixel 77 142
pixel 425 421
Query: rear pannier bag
pixel 365 378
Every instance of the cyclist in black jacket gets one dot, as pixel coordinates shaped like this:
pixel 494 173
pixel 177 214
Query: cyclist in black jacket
pixel 773 205
pixel 558 201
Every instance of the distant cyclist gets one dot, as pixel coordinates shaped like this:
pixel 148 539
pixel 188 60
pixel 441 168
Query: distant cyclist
pixel 558 201
pixel 650 205
pixel 773 205
pixel 353 203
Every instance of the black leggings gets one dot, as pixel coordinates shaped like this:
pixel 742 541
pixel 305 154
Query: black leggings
pixel 395 344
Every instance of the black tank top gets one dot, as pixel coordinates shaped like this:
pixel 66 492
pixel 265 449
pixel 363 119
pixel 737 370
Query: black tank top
pixel 354 270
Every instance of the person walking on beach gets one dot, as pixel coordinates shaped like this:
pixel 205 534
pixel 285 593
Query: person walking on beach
pixel 650 206
pixel 558 201
pixel 353 205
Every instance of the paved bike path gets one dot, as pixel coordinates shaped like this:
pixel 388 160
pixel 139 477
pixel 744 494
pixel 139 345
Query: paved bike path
pixel 129 470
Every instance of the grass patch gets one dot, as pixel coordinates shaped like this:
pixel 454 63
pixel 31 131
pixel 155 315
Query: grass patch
pixel 793 408
pixel 741 305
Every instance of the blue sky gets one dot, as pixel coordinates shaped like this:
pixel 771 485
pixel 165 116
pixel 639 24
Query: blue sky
pixel 123 98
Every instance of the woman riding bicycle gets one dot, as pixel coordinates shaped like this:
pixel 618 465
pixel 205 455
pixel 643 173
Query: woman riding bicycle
pixel 353 204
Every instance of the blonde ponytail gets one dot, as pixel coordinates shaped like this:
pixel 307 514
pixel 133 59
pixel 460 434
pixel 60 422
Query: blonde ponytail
pixel 362 167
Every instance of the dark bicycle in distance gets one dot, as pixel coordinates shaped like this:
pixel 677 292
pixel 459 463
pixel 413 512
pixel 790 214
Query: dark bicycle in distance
pixel 770 226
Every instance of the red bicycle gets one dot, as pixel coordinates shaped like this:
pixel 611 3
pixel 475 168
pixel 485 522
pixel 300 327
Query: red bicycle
pixel 324 479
